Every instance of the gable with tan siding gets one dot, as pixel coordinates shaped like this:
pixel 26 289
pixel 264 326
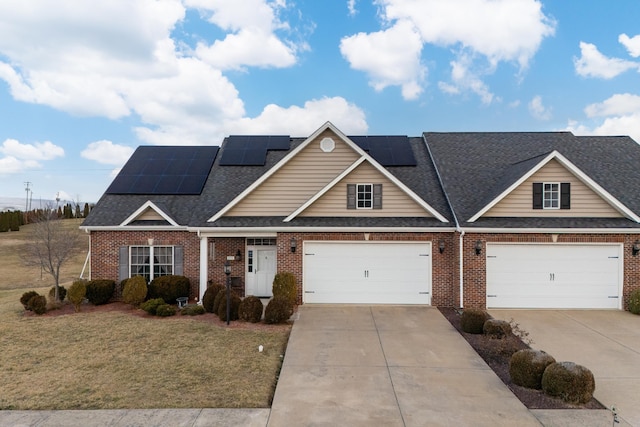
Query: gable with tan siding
pixel 298 180
pixel 395 202
pixel 584 201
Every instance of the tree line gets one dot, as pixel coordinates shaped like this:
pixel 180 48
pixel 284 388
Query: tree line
pixel 13 220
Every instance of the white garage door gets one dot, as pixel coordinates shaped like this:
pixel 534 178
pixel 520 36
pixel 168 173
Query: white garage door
pixel 367 272
pixel 553 276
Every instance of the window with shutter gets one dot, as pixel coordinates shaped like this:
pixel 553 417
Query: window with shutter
pixel 551 195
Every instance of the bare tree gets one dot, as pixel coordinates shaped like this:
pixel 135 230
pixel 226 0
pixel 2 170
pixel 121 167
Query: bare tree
pixel 51 244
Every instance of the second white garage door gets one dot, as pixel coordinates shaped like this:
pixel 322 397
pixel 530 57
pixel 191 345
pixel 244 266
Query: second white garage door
pixel 553 276
pixel 367 272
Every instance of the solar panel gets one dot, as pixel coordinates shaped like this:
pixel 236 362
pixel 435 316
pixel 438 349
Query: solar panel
pixel 388 150
pixel 165 170
pixel 251 150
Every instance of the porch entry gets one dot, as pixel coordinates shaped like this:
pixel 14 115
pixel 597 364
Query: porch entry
pixel 260 266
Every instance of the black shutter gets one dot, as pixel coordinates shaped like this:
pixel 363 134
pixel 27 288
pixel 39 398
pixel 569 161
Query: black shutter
pixel 565 195
pixel 377 196
pixel 351 196
pixel 123 263
pixel 178 260
pixel 537 195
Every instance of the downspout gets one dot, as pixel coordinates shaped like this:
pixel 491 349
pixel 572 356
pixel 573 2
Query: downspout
pixel 455 219
pixel 87 258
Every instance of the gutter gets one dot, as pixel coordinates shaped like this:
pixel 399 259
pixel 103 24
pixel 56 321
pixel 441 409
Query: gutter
pixel 455 219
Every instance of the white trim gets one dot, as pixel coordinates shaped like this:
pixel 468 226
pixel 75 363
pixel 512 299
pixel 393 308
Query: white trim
pixel 134 228
pixel 558 193
pixel 148 205
pixel 263 231
pixel 553 230
pixel 364 192
pixel 615 203
pixel 204 260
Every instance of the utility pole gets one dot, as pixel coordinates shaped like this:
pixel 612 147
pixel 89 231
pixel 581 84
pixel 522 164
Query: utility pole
pixel 27 189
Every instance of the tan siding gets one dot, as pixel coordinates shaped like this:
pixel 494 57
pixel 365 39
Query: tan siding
pixel 584 201
pixel 297 181
pixel 150 215
pixel 394 201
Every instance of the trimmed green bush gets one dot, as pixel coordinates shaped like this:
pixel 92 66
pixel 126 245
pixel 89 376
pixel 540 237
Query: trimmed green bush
pixel 62 293
pixel 77 293
pixel 495 328
pixel 279 310
pixel 216 301
pixel 209 297
pixel 527 366
pixel 472 320
pixel 169 288
pixel 165 310
pixel 134 291
pixel 26 297
pixel 251 309
pixel 152 305
pixel 38 304
pixel 100 291
pixel 634 301
pixel 570 382
pixel 192 310
pixel 222 308
pixel 284 284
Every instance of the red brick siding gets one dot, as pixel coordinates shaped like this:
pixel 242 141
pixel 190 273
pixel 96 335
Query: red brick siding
pixel 224 247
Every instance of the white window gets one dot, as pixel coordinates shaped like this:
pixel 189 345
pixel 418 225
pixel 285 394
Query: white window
pixel 364 196
pixel 551 195
pixel 151 261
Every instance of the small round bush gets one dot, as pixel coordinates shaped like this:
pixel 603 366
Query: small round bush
pixel 570 382
pixel 62 293
pixel 100 291
pixel 165 310
pixel 151 306
pixel 169 288
pixel 38 304
pixel 24 299
pixel 216 301
pixel 495 328
pixel 527 366
pixel 192 310
pixel 209 297
pixel 222 308
pixel 634 301
pixel 279 310
pixel 134 291
pixel 250 309
pixel 77 293
pixel 472 320
pixel 284 284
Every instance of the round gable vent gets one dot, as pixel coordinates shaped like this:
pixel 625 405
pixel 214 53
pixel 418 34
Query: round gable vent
pixel 327 145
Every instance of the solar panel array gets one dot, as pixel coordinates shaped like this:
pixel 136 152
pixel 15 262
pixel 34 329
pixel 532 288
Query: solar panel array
pixel 251 150
pixel 388 150
pixel 165 170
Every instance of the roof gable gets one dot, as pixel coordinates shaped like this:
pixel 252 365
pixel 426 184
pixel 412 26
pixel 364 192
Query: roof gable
pixel 149 211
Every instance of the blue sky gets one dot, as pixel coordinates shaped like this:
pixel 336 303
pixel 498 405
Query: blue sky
pixel 84 83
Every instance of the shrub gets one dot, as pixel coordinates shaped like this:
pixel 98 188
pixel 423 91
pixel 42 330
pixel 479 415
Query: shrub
pixel 192 310
pixel 527 366
pixel 279 310
pixel 24 299
pixel 209 297
pixel 100 291
pixel 165 310
pixel 634 301
pixel 77 293
pixel 472 320
pixel 151 306
pixel 570 382
pixel 169 288
pixel 284 284
pixel 216 301
pixel 250 309
pixel 62 293
pixel 495 328
pixel 235 304
pixel 135 290
pixel 38 304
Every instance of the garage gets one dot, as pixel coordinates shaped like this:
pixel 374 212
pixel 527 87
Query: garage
pixel 367 272
pixel 554 275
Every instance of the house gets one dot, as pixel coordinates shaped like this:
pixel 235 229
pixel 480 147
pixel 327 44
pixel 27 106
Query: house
pixel 517 219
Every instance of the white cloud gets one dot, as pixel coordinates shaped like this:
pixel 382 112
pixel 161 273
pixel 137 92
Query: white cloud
pixel 19 157
pixel 592 63
pixel 620 113
pixel 390 57
pixel 351 6
pixel 618 104
pixel 631 43
pixel 107 152
pixel 538 110
pixel 464 79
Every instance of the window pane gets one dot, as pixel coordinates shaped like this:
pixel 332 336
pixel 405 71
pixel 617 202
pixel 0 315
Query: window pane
pixel 364 196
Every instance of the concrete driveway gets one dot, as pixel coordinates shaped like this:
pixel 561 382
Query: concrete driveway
pixel 387 365
pixel 606 342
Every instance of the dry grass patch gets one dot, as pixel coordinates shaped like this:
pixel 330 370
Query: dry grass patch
pixel 117 359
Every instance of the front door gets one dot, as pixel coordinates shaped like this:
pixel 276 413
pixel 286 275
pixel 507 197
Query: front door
pixel 261 269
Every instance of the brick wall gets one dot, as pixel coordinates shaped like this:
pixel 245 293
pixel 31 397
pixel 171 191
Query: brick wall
pixel 223 247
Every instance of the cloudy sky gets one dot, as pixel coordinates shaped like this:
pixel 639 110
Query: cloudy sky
pixel 82 83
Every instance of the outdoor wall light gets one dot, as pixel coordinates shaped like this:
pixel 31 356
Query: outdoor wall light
pixel 294 245
pixel 441 246
pixel 478 247
pixel 238 255
pixel 635 248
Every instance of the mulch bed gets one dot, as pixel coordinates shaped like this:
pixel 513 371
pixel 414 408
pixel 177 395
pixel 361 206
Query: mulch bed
pixel 496 353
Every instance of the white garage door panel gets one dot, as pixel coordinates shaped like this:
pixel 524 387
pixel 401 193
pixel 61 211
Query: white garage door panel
pixel 367 273
pixel 553 276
